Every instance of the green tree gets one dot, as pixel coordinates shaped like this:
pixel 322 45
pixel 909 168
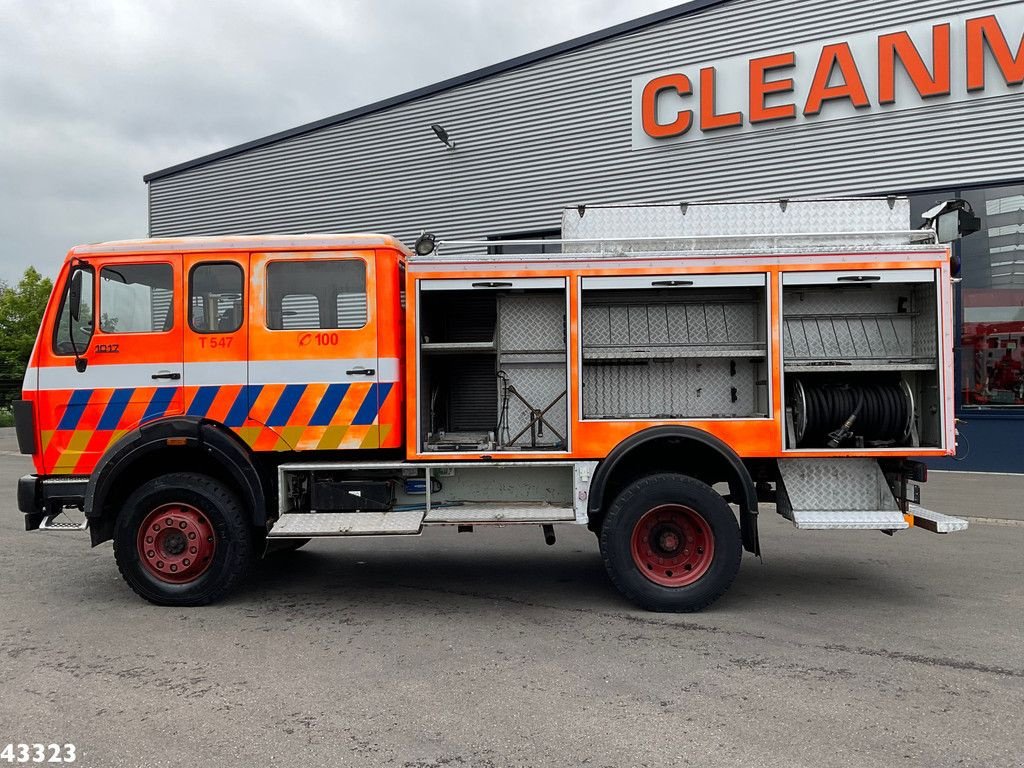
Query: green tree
pixel 21 312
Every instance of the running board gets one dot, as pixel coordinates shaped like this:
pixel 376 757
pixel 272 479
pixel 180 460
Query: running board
pixel 837 494
pixel 310 524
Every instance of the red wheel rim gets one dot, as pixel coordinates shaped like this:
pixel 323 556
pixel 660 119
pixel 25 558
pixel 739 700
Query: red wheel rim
pixel 672 545
pixel 176 543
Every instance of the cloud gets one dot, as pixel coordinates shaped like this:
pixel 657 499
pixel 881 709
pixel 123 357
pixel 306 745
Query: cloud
pixel 96 93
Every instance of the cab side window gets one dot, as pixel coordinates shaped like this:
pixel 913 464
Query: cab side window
pixel 316 294
pixel 74 325
pixel 137 298
pixel 215 298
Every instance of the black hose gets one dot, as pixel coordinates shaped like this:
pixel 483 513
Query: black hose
pixel 837 414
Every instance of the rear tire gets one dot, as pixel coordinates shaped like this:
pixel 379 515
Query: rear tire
pixel 183 539
pixel 671 543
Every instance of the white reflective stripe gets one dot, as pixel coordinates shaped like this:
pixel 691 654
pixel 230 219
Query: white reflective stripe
pixel 317 371
pixel 331 371
pixel 214 374
pixel 108 376
pixel 28 383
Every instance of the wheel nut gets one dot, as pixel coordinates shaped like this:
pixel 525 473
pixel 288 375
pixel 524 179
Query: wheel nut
pixel 151 553
pixel 174 568
pixel 159 563
pixel 186 562
pixel 183 525
pixel 193 550
pixel 168 521
pixel 149 539
pixel 191 534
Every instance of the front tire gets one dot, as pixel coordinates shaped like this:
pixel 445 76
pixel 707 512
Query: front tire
pixel 670 543
pixel 183 539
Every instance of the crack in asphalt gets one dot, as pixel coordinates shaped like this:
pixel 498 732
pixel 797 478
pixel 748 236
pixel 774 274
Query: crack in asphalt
pixel 892 655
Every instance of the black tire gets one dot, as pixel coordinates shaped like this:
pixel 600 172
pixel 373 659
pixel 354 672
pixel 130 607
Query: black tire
pixel 223 517
pixel 285 546
pixel 699 502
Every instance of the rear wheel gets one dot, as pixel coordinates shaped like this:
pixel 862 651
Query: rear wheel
pixel 670 543
pixel 182 539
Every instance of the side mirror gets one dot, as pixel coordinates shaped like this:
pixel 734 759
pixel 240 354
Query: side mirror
pixel 75 295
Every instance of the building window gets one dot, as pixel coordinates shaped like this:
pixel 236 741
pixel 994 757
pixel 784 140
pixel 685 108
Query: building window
pixel 316 294
pixel 992 300
pixel 503 247
pixel 137 298
pixel 215 298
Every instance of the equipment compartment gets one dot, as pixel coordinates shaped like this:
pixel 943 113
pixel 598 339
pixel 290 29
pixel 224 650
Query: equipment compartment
pixel 674 347
pixel 860 359
pixel 493 365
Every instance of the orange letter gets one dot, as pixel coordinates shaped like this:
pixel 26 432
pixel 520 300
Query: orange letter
pixel 761 88
pixel 852 87
pixel 986 29
pixel 649 107
pixel 709 121
pixel 900 46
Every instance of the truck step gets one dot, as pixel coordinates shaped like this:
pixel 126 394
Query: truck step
pixel 849 520
pixel 489 512
pixel 61 522
pixel 936 522
pixel 305 525
pixel 837 494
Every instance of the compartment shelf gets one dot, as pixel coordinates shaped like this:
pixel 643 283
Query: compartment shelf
pixel 855 365
pixel 456 347
pixel 654 352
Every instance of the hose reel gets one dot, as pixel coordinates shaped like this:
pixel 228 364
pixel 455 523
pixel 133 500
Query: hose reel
pixel 834 415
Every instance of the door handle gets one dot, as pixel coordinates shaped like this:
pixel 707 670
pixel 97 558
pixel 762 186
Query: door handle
pixel 671 283
pixel 859 278
pixel 360 372
pixel 492 284
pixel 167 375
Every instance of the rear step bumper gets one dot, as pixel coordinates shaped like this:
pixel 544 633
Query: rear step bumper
pixel 42 500
pixel 849 494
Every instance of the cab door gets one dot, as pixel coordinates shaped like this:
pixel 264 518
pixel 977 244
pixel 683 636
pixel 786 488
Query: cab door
pixel 132 372
pixel 215 338
pixel 313 372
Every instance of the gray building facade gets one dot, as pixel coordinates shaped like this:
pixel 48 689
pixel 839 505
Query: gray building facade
pixel 708 100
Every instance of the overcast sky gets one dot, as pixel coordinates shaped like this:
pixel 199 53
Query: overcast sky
pixel 96 93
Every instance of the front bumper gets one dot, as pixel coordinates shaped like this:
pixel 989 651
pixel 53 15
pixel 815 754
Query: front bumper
pixel 42 497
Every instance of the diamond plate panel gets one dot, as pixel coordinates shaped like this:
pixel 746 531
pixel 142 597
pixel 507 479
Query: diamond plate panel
pixel 857 324
pixel 500 513
pixel 634 320
pixel 531 322
pixel 346 524
pixel 836 485
pixel 741 218
pixel 539 386
pixel 663 389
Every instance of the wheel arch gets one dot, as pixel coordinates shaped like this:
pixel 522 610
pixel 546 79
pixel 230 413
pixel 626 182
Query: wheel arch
pixel 684 450
pixel 171 445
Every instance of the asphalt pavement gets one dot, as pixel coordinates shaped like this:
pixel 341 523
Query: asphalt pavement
pixel 492 649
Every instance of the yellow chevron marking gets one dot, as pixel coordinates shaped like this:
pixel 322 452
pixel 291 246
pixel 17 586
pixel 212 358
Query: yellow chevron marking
pixel 333 436
pixel 70 456
pixel 372 438
pixel 249 434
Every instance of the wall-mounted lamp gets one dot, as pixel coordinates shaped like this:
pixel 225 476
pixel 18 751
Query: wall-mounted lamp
pixel 442 135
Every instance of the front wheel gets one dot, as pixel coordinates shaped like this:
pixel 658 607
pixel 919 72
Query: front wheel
pixel 670 543
pixel 182 539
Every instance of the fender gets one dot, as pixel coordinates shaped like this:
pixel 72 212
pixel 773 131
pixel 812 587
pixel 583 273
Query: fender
pixel 620 451
pixel 220 445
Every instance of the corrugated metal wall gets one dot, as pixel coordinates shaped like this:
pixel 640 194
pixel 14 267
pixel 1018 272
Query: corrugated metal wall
pixel 558 131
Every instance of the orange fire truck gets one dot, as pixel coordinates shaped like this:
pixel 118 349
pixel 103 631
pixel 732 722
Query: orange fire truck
pixel 203 401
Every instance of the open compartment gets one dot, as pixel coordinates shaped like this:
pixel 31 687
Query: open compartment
pixel 676 347
pixel 861 359
pixel 492 362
